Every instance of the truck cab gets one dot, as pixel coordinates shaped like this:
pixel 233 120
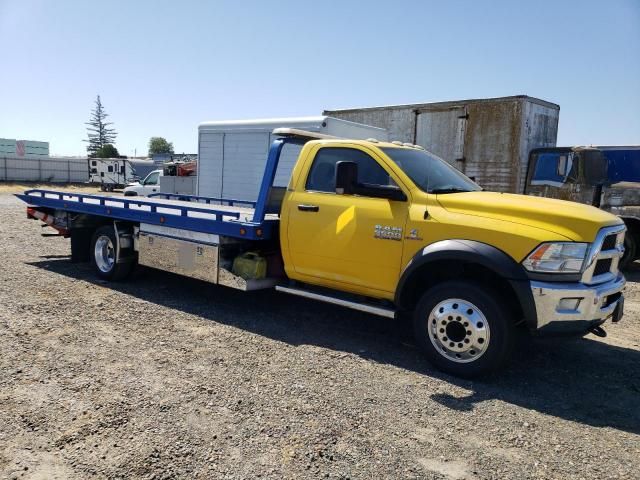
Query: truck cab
pixel 605 177
pixel 395 223
pixel 150 184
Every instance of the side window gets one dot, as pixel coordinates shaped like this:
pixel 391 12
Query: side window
pixel 110 168
pixel 322 175
pixel 152 179
pixel 552 168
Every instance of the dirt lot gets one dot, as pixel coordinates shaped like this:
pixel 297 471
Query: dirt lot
pixel 164 377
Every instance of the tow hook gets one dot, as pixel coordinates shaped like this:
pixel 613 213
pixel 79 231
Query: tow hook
pixel 598 331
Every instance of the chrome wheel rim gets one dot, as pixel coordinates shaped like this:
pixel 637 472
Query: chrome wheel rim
pixel 459 330
pixel 104 254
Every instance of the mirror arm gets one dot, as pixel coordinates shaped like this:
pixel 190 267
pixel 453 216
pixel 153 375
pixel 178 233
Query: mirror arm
pixel 380 191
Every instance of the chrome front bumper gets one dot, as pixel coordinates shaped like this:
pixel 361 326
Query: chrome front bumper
pixel 576 306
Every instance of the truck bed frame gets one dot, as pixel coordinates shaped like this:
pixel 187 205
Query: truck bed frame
pixel 200 214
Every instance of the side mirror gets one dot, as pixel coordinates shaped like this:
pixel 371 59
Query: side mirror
pixel 346 177
pixel 596 167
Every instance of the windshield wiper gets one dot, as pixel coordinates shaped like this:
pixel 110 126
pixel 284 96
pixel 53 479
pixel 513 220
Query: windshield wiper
pixel 449 190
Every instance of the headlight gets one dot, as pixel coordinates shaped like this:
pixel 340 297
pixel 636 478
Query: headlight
pixel 560 257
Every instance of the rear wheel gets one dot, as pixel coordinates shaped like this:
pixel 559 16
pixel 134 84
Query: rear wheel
pixel 463 328
pixel 108 263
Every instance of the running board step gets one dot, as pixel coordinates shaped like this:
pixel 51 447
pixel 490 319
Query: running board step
pixel 363 307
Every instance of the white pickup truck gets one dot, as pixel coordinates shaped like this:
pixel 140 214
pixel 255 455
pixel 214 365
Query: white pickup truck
pixel 150 184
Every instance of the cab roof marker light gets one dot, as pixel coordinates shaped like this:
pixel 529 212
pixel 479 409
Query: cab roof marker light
pixel 407 144
pixel 373 140
pixel 397 142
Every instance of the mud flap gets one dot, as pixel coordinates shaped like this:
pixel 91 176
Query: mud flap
pixel 619 311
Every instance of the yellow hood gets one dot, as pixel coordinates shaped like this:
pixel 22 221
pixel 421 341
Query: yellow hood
pixel 574 221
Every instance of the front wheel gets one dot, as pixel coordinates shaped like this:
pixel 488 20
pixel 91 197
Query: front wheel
pixel 463 328
pixel 105 257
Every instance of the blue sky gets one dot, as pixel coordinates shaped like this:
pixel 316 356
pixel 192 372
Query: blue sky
pixel 162 67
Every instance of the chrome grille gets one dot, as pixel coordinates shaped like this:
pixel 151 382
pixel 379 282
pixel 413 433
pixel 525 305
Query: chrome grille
pixel 604 255
pixel 602 266
pixel 609 242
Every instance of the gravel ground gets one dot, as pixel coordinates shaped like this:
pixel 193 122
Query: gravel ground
pixel 165 377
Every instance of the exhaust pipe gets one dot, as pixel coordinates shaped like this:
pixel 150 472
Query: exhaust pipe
pixel 598 331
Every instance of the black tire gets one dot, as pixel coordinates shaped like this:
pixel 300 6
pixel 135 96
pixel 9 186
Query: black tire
pixel 113 271
pixel 102 188
pixel 478 349
pixel 630 249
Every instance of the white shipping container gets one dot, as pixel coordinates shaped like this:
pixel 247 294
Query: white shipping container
pixel 232 154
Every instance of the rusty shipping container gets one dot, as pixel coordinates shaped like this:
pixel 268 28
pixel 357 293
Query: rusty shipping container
pixel 487 139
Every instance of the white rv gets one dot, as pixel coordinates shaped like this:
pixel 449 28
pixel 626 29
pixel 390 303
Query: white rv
pixel 112 173
pixel 232 154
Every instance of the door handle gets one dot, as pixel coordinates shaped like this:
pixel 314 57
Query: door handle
pixel 308 208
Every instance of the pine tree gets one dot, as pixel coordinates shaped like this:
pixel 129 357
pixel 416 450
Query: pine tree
pixel 98 131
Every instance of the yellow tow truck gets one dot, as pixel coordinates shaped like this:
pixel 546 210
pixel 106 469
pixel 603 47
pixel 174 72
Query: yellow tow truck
pixel 386 228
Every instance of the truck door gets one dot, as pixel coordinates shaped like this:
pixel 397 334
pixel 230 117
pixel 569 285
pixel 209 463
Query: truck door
pixel 151 184
pixel 346 239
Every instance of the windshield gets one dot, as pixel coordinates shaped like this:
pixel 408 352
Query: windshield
pixel 429 172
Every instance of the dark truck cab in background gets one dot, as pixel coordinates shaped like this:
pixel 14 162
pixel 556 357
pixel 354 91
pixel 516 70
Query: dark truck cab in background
pixel 606 177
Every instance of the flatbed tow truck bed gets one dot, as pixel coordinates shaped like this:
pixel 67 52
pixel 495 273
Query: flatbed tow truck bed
pixel 234 218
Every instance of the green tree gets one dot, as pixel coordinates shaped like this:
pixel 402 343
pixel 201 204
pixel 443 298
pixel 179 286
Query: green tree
pixel 99 131
pixel 107 151
pixel 159 145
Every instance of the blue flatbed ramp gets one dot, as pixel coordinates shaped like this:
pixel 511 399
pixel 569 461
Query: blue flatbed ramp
pixel 199 214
